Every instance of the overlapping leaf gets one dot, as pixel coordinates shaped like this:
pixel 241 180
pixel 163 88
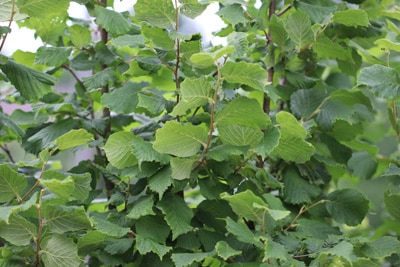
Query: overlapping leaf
pixel 249 74
pixel 114 22
pixel 159 13
pixel 59 251
pixel 12 183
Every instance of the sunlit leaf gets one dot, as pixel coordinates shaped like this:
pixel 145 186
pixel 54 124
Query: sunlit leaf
pixel 159 13
pixel 351 17
pixel 73 138
pixel 19 231
pixel 119 150
pixel 59 251
pixel 114 22
pixel 250 74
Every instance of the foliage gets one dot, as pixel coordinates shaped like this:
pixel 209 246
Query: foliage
pixel 242 154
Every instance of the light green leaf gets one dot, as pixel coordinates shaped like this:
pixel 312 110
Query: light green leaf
pixel 143 207
pixel 6 211
pixel 61 219
pixel 243 205
pixel 326 48
pixel 351 17
pixel 43 8
pixel 381 248
pixel 128 40
pixel 292 146
pixel 344 249
pixel 392 203
pixel 382 81
pixel 7 9
pixel 159 13
pixel 30 83
pixel 191 8
pixel 238 135
pixel 119 150
pixel 275 250
pixel 114 22
pixel 177 214
pixel 59 251
pixel 243 111
pixel 297 190
pixel 202 60
pixel 278 214
pixel 160 182
pixel 180 140
pixel 243 233
pixel 186 259
pixel 145 245
pixel 73 138
pixel 182 167
pixel 387 44
pixel 12 184
pixel 298 27
pixel 109 228
pixel 240 43
pixel 18 231
pixel 233 13
pixel 250 74
pixel 347 206
pixel 58 183
pixel 194 93
pixel 159 37
pixel 80 36
pixel 225 251
pixel 144 151
pixel 124 99
pixel 52 56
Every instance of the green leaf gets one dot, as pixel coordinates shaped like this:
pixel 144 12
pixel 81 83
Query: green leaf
pixel 124 99
pixel 392 203
pixel 362 164
pixel 191 8
pixel 61 219
pixel 225 251
pixel 182 167
pixel 326 48
pixel 109 228
pixel 297 190
pixel 158 37
pixel 388 45
pixel 347 206
pixel 277 31
pixel 80 36
pixel 239 41
pixel 243 204
pixel 90 242
pixel 381 248
pixel 180 140
pixel 12 183
pixel 119 150
pixel 298 27
pixel 318 13
pixel 316 228
pixel 292 146
pixel 194 93
pixel 99 79
pixel 304 102
pixel 160 182
pixel 7 8
pixel 332 110
pixel 6 211
pixel 52 56
pixel 177 214
pixel 128 40
pixel 114 22
pixel 18 231
pixel 30 83
pixel 202 60
pixel 243 233
pixel 186 259
pixel 159 13
pixel 143 207
pixel 59 251
pixel 344 249
pixel 381 81
pixel 118 246
pixel 40 8
pixel 238 135
pixel 145 245
pixel 10 123
pixel 153 227
pixel 250 74
pixel 81 185
pixel 73 138
pixel 275 250
pixel 234 14
pixel 144 151
pixel 351 17
pixel 58 183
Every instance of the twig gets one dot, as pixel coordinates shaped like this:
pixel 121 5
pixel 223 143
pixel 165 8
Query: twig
pixel 302 211
pixel 40 227
pixel 283 11
pixel 9 25
pixel 4 147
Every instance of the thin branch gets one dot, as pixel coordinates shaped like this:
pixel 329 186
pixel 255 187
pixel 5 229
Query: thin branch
pixel 37 183
pixel 9 24
pixel 40 227
pixel 394 115
pixel 177 56
pixel 68 68
pixel 304 210
pixel 8 152
pixel 283 11
pixel 317 110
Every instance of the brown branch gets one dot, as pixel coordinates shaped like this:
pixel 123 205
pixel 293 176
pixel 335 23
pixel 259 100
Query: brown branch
pixel 8 152
pixel 304 210
pixel 283 11
pixel 9 24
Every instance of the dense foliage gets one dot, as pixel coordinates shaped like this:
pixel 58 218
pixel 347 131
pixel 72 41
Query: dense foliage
pixel 243 154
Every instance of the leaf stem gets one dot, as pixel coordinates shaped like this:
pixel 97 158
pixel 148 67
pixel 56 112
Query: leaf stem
pixel 304 210
pixel 40 228
pixel 394 115
pixel 212 115
pixel 317 110
pixel 37 183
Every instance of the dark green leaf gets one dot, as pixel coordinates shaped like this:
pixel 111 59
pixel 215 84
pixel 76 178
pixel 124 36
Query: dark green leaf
pixel 31 84
pixel 225 251
pixel 275 250
pixel 145 245
pixel 381 248
pixel 243 233
pixel 382 81
pixel 304 102
pixel 186 259
pixel 118 246
pixel 347 206
pixel 392 203
pixel 297 190
pixel 160 182
pixel 52 56
pixel 124 99
pixel 243 204
pixel 177 214
pixel 143 207
pixel 109 228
